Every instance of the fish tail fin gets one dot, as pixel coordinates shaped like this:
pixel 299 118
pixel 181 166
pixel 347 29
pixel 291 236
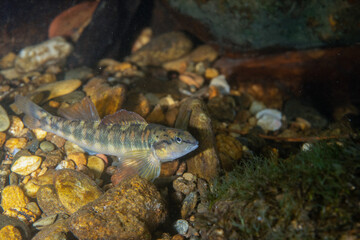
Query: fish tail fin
pixel 33 113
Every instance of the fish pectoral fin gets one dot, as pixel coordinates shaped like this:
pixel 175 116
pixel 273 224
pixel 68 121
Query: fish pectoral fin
pixel 123 117
pixel 84 110
pixel 143 162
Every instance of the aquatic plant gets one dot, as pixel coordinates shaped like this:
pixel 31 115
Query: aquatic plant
pixel 314 194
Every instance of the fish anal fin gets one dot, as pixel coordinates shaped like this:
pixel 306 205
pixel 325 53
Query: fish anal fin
pixel 84 110
pixel 123 117
pixel 143 163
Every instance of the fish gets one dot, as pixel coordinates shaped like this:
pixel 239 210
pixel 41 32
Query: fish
pixel 139 145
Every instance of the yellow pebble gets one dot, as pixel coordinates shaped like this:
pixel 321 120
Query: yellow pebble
pixel 12 197
pixel 10 232
pixel 210 73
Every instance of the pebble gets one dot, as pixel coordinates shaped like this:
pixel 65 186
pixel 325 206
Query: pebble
pixel 222 108
pixel 72 148
pixel 4 120
pixel 203 53
pixel 2 138
pixel 221 83
pixel 168 102
pixel 181 226
pixel 56 140
pixel 211 73
pixel 131 210
pixel 22 214
pixel 83 190
pixel 10 74
pixel 101 94
pixel 57 231
pixel 7 61
pixel 192 79
pixel 47 146
pixel 26 165
pixel 57 89
pixel 13 179
pixel 42 55
pixel 52 159
pixel 152 98
pixel 9 221
pixel 169 168
pixel 171 115
pixel 156 116
pixel 189 204
pixel 66 164
pixel 34 208
pixel 48 200
pixel 203 162
pixel 39 134
pixel 269 119
pixel 96 165
pixel 189 177
pixel 79 158
pixel 229 150
pixel 13 197
pixel 10 232
pixel 163 48
pixel 183 186
pixel 256 107
pixel 13 145
pixel 45 221
pixel 143 38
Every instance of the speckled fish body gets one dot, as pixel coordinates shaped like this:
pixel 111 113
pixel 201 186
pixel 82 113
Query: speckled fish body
pixel 138 144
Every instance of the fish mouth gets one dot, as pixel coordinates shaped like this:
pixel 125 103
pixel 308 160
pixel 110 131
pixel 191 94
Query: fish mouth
pixel 192 147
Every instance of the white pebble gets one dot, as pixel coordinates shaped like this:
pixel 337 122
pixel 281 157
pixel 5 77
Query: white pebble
pixel 26 165
pixel 221 83
pixel 269 119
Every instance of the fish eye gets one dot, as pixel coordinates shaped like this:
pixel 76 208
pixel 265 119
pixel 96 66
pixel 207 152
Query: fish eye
pixel 178 140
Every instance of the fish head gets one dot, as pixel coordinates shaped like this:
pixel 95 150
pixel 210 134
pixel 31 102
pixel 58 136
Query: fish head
pixel 172 143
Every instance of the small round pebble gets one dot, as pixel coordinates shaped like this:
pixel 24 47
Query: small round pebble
pixel 96 166
pixel 4 120
pixel 47 146
pixel 181 226
pixel 26 165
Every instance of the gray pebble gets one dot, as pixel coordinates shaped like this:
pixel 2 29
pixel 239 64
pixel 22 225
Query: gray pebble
pixel 47 146
pixel 181 226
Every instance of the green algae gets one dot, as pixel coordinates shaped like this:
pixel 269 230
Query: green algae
pixel 314 194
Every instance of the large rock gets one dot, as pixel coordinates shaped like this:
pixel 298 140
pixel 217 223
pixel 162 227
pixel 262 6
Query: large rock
pixel 131 210
pixel 204 162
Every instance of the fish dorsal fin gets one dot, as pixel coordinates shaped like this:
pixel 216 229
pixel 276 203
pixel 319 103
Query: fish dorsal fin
pixel 143 162
pixel 123 117
pixel 84 110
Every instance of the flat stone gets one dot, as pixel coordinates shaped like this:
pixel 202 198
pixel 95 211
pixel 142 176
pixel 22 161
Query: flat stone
pixel 26 165
pixel 56 231
pixel 48 200
pixel 79 158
